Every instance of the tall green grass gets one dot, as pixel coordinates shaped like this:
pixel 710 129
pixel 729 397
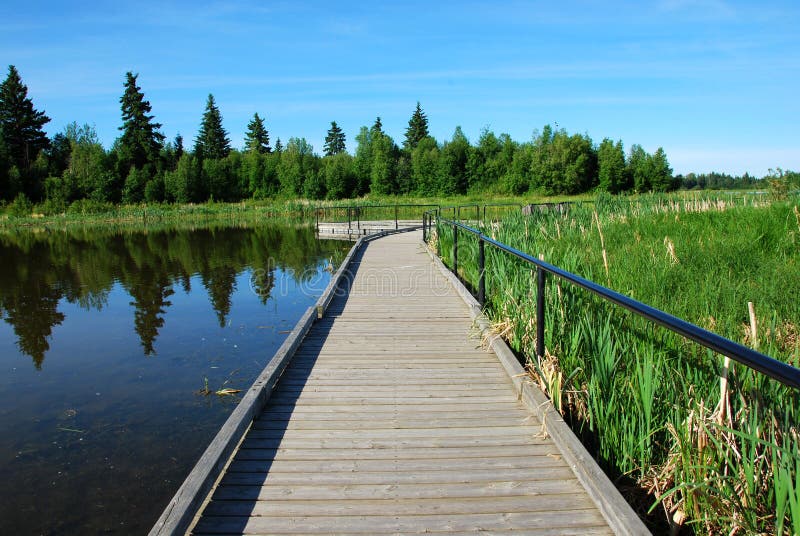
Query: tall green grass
pixel 647 402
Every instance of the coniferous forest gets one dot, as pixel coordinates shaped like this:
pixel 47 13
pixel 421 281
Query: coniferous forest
pixel 142 166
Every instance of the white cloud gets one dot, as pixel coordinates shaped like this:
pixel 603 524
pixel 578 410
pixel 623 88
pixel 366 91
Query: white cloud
pixel 698 9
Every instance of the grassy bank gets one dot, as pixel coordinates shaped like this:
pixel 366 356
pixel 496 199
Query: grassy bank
pixel 90 213
pixel 721 457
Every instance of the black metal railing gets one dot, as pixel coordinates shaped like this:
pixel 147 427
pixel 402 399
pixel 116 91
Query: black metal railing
pixel 478 208
pixel 765 364
pixel 355 214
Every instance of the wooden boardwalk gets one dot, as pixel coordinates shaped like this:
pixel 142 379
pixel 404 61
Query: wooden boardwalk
pixel 391 419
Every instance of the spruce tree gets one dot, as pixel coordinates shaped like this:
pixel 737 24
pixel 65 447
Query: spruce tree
pixel 141 142
pixel 377 128
pixel 257 138
pixel 20 126
pixel 334 141
pixel 178 146
pixel 212 140
pixel 417 128
pixel 278 146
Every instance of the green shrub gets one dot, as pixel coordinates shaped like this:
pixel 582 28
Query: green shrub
pixel 21 207
pixel 85 207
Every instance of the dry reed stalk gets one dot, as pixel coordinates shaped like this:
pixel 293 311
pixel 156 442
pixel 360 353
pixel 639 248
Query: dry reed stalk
pixel 671 250
pixel 723 409
pixel 602 246
pixel 753 329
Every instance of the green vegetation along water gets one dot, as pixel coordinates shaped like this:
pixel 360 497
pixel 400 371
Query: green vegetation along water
pixel 723 458
pixel 106 339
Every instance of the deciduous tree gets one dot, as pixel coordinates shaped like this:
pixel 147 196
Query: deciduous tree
pixel 383 169
pixel 453 161
pixel 339 177
pixel 611 166
pixel 660 172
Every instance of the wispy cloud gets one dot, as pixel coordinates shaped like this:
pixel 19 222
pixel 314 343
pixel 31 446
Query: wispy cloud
pixel 698 9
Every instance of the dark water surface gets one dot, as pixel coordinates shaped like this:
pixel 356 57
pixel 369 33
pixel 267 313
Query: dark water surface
pixel 105 340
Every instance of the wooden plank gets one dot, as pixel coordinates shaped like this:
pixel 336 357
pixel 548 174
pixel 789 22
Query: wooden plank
pixel 409 408
pixel 411 391
pixel 486 417
pixel 353 397
pixel 250 451
pixel 588 519
pixel 402 507
pixel 387 421
pixel 396 465
pixel 418 490
pixel 348 478
pixel 394 443
pixel 377 433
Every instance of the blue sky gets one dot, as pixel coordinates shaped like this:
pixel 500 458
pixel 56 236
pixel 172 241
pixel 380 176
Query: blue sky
pixel 714 82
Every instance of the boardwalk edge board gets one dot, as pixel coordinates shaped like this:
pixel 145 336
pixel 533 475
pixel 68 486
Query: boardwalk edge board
pixel 180 513
pixel 613 506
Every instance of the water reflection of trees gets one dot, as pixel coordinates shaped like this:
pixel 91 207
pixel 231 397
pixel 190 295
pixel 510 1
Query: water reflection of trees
pixel 82 266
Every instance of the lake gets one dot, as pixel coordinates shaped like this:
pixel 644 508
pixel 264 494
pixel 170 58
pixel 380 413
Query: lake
pixel 108 338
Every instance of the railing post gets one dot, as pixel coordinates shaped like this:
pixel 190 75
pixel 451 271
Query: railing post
pixel 348 220
pixel 540 312
pixel 317 211
pixel 477 214
pixel 481 272
pixel 395 217
pixel 455 250
pixel 425 227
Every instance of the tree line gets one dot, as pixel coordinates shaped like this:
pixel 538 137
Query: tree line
pixel 142 166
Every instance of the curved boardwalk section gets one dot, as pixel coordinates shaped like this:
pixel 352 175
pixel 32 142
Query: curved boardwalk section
pixel 391 419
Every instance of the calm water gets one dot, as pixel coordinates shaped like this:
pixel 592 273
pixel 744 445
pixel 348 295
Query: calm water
pixel 106 339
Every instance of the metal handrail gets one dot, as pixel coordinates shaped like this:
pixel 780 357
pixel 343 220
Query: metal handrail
pixel 354 211
pixel 763 363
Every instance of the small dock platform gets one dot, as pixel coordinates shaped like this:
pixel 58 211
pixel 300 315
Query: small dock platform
pixel 354 230
pixel 391 417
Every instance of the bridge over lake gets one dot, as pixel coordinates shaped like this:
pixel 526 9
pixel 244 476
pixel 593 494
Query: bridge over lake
pixel 389 410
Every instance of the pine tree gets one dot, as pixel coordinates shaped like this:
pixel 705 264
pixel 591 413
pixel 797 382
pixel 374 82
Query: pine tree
pixel 212 140
pixel 377 128
pixel 141 142
pixel 21 134
pixel 257 138
pixel 334 141
pixel 417 128
pixel 178 146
